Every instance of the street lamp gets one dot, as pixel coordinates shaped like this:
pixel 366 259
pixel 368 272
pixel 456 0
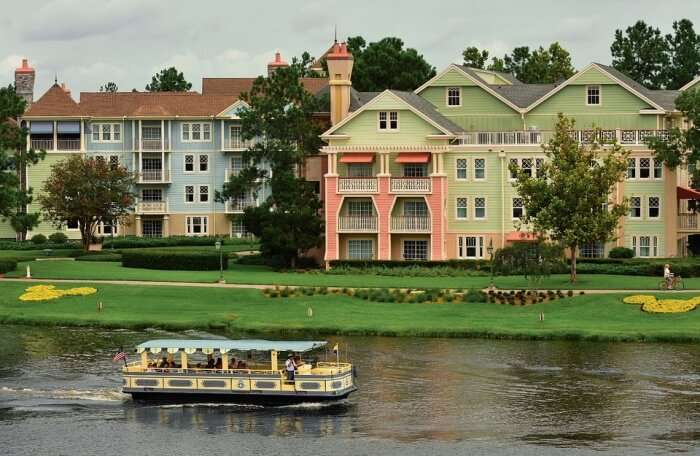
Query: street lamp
pixel 221 261
pixel 489 250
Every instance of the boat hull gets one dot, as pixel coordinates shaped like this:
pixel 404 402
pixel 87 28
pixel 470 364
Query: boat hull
pixel 279 398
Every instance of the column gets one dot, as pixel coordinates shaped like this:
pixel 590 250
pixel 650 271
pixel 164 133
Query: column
pixel 82 135
pixel 139 231
pixel 166 225
pixel 670 214
pixel 183 359
pixel 55 136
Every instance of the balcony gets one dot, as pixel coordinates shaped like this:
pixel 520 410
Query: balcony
pixel 42 144
pixel 154 176
pixel 357 224
pixel 151 144
pixel 152 207
pixel 410 185
pixel 357 185
pixel 238 205
pixel 410 224
pixel 228 172
pixel 68 144
pixel 538 137
pixel 688 222
pixel 237 144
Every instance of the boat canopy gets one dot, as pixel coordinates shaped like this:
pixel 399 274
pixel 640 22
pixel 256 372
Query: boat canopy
pixel 225 345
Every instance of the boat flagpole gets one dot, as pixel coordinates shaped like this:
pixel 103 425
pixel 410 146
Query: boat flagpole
pixel 337 354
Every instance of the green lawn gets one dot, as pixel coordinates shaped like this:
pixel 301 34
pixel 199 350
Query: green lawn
pixel 177 308
pixel 259 275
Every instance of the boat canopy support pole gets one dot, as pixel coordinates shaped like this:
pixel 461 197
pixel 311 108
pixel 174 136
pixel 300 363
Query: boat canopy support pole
pixel 183 359
pixel 144 359
pixel 224 360
pixel 273 360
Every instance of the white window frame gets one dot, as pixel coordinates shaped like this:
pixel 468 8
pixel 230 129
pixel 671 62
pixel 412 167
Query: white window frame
pixel 650 168
pixel 100 132
pixel 599 95
pixel 194 194
pixel 451 96
pixel 186 132
pixel 427 249
pixel 462 247
pixel 360 208
pixel 199 193
pixel 485 207
pixel 634 168
pixel 655 162
pixel 513 207
pixel 363 240
pixel 641 208
pixel 480 179
pixel 387 121
pixel 101 229
pixel 189 225
pixel 194 163
pixel 77 226
pixel 464 168
pixel 199 163
pixel 648 201
pixel 465 207
pixel 151 189
pixel 147 222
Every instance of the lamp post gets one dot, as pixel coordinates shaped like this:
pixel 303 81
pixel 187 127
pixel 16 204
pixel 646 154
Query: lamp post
pixel 221 261
pixel 489 250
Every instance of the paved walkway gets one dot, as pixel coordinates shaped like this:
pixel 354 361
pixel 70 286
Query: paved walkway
pixel 262 286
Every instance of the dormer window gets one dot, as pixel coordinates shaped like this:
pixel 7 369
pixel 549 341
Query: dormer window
pixel 454 96
pixel 593 95
pixel 388 120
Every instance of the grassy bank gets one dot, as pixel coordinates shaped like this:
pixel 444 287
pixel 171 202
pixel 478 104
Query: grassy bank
pixel 583 317
pixel 260 275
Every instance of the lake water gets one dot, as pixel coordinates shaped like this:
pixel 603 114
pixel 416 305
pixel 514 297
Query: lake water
pixel 59 395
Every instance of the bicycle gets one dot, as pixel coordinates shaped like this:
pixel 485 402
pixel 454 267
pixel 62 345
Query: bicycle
pixel 676 284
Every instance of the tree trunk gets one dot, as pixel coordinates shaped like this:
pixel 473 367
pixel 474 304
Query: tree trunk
pixel 573 249
pixel 293 262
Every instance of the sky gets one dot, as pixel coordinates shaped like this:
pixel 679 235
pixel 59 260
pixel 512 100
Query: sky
pixel 87 44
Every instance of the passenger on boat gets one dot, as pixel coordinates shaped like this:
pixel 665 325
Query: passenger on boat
pixel 218 364
pixel 233 363
pixel 210 362
pixel 290 366
pixel 163 363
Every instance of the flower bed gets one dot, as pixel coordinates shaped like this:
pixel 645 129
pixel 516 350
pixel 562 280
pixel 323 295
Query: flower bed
pixel 49 292
pixel 652 305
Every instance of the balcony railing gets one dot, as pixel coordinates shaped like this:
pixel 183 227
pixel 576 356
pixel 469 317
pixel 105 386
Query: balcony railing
pixel 688 222
pixel 230 172
pixel 357 224
pixel 68 144
pixel 239 204
pixel 152 207
pixel 537 137
pixel 410 224
pixel 151 144
pixel 42 144
pixel 357 185
pixel 154 175
pixel 410 185
pixel 238 143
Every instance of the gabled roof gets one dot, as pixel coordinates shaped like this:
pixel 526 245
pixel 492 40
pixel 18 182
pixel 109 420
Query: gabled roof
pixel 523 95
pixel 55 102
pixel 690 84
pixel 236 86
pixel 663 98
pixel 153 104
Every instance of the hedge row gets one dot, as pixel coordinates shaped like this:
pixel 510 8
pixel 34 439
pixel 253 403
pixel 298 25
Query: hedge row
pixel 27 245
pixel 7 265
pixel 163 259
pixel 455 264
pixel 106 256
pixel 134 242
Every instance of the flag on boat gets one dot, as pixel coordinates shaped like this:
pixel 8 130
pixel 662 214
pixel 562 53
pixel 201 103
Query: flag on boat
pixel 335 348
pixel 119 356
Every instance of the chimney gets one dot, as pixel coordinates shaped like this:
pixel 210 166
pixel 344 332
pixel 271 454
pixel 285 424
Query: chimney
pixel 65 89
pixel 24 82
pixel 275 64
pixel 340 63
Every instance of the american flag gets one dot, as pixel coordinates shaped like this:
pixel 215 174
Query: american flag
pixel 119 356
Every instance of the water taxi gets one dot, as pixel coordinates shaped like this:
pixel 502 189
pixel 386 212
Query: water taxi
pixel 231 371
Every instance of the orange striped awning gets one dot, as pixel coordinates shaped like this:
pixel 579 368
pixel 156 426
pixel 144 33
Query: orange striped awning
pixel 413 157
pixel 521 236
pixel 357 157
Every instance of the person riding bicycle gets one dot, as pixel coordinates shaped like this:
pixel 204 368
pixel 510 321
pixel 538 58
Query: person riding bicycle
pixel 668 276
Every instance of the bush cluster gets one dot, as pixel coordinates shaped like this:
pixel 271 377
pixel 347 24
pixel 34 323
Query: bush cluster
pixel 134 242
pixel 39 239
pixel 621 252
pixel 28 245
pixel 453 264
pixel 99 256
pixel 172 260
pixel 58 238
pixel 433 295
pixel 7 265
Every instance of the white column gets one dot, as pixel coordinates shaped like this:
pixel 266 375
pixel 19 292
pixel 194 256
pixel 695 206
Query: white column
pixel 55 136
pixel 140 138
pixel 222 135
pixel 82 135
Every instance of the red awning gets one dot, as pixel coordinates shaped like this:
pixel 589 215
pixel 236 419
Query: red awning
pixel 357 157
pixel 413 157
pixel 683 193
pixel 521 236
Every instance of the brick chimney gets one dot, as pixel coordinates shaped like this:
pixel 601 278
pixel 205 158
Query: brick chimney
pixel 340 64
pixel 275 64
pixel 24 82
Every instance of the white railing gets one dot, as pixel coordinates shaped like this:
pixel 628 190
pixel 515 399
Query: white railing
pixel 410 224
pixel 154 175
pixel 537 137
pixel 410 185
pixel 357 224
pixel 238 143
pixel 688 221
pixel 151 144
pixel 357 185
pixel 230 172
pixel 152 207
pixel 239 204
pixel 68 144
pixel 42 144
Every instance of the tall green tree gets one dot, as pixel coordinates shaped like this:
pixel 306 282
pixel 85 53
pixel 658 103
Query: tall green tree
pixel 15 194
pixel 88 191
pixel 642 53
pixel 280 113
pixel 541 66
pixel 386 64
pixel 109 87
pixel 474 57
pixel 569 200
pixel 684 49
pixel 169 80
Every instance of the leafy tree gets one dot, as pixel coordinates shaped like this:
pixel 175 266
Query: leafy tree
pixel 475 58
pixel 88 191
pixel 14 160
pixel 541 66
pixel 684 48
pixel 682 146
pixel 642 53
pixel 385 64
pixel 109 87
pixel 169 80
pixel 569 200
pixel 280 112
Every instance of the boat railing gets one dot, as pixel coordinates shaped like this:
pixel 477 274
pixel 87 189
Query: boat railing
pixel 134 368
pixel 342 367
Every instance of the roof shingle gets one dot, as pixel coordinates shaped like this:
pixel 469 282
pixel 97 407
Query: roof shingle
pixel 55 102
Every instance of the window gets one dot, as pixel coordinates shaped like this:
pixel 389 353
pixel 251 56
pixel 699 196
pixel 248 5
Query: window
pixel 236 165
pixel 539 167
pixel 479 168
pixel 189 193
pixel 106 132
pixel 72 225
pixel 644 246
pixel 151 194
pixel 415 209
pixel 415 250
pixel 518 208
pixel 360 249
pixel 631 168
pixel 593 250
pixel 526 166
pixel 658 169
pixel 189 163
pixel 512 166
pixel 151 133
pixel 453 96
pixel 238 228
pixel 197 225
pixel 114 161
pixel 203 193
pixel 470 246
pixel 415 170
pixel 461 168
pixel 236 136
pixel 593 95
pixel 359 170
pixel 360 208
pixel 462 206
pixel 644 168
pixel 107 229
pixel 388 120
pixel 480 208
pixel 653 206
pixel 152 227
pixel 635 207
pixel 196 132
pixel 203 163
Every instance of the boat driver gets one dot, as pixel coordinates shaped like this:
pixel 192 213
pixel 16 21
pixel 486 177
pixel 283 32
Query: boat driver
pixel 290 367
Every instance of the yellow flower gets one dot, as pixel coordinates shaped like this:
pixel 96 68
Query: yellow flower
pixel 49 292
pixel 653 305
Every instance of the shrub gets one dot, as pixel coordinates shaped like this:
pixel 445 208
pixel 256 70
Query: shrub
pixel 474 295
pixel 39 239
pixel 100 257
pixel 58 238
pixel 621 252
pixel 7 265
pixel 532 260
pixel 28 245
pixel 172 260
pixel 134 242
